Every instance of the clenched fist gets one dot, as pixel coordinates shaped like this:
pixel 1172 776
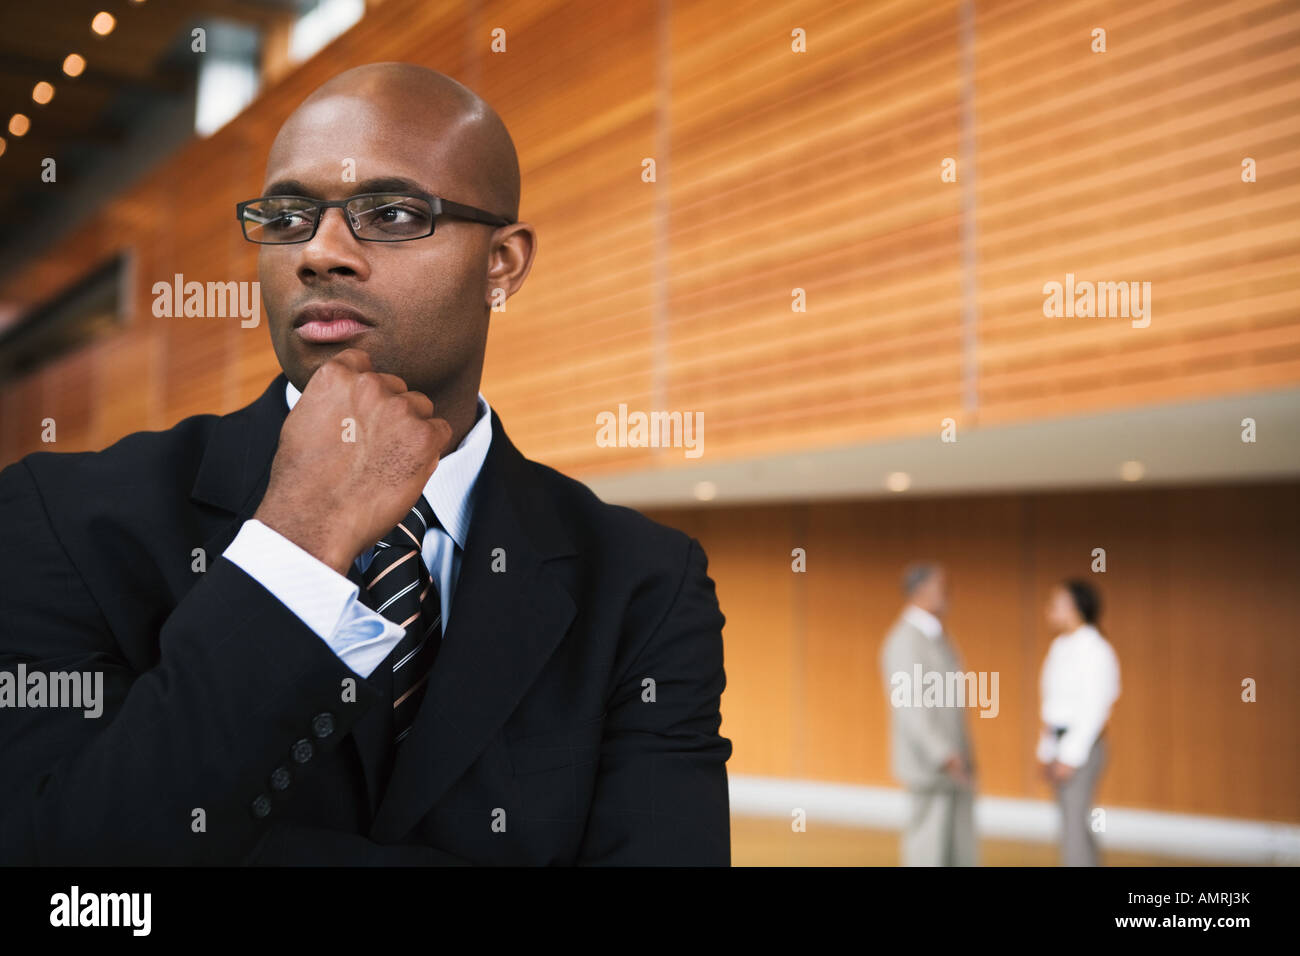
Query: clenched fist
pixel 335 498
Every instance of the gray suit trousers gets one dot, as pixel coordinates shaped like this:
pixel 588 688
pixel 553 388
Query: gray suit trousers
pixel 940 829
pixel 1078 844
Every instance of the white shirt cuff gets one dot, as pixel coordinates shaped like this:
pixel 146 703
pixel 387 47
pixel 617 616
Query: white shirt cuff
pixel 1046 751
pixel 319 596
pixel 1075 747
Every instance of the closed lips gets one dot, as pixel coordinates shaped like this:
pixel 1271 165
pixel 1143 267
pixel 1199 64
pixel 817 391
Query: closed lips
pixel 328 314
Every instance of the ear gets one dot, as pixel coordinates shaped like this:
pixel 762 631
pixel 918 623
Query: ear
pixel 510 259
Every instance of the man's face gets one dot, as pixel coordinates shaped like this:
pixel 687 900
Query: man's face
pixel 425 299
pixel 1061 612
pixel 932 594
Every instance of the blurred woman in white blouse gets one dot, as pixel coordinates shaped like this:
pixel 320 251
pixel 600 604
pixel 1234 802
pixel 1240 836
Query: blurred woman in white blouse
pixel 1078 686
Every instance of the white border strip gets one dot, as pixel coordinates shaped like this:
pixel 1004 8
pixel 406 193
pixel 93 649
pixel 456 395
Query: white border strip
pixel 1176 835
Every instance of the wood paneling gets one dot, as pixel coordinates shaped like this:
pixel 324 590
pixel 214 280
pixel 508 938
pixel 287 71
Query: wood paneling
pixel 780 170
pixel 1198 594
pixel 758 595
pixel 1125 166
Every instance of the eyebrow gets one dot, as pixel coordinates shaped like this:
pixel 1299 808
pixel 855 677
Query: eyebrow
pixel 385 184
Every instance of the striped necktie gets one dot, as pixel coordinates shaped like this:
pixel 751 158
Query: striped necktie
pixel 398 586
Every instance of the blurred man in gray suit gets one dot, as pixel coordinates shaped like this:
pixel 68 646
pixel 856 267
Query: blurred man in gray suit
pixel 930 746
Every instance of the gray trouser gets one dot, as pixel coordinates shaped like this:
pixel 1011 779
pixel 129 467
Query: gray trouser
pixel 940 829
pixel 1078 845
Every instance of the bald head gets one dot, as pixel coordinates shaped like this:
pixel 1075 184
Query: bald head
pixel 434 114
pixel 424 304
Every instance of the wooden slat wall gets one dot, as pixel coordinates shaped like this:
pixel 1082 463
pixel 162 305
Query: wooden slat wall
pixel 1126 166
pixel 816 171
pixel 1199 593
pixel 580 335
pixel 779 170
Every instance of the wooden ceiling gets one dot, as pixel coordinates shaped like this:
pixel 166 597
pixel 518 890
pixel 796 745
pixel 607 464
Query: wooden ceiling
pixel 142 61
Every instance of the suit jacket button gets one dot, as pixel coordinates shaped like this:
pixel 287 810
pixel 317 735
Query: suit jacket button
pixel 262 806
pixel 280 779
pixel 302 751
pixel 322 725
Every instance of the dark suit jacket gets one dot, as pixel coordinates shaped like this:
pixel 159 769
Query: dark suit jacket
pixel 536 743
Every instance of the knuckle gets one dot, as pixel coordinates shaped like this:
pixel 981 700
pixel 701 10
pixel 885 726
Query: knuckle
pixel 431 436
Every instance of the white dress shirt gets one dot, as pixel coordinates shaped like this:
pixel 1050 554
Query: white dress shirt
pixel 923 620
pixel 1078 685
pixel 326 601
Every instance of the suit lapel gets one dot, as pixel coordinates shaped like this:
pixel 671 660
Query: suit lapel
pixel 502 628
pixel 236 464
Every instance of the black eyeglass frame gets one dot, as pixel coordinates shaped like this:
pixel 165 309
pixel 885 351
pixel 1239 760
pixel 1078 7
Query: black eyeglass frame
pixel 437 205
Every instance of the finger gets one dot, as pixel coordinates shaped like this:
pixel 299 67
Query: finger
pixel 420 403
pixel 394 383
pixel 443 437
pixel 356 359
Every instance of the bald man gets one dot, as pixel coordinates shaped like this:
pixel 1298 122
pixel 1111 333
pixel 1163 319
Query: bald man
pixel 350 623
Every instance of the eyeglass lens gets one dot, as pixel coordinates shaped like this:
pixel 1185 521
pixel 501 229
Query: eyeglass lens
pixel 386 218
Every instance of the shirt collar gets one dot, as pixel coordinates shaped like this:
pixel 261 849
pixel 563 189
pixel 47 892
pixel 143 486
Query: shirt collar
pixel 450 487
pixel 1082 632
pixel 923 620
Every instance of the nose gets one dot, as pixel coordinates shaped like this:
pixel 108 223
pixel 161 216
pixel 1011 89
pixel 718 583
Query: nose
pixel 333 251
